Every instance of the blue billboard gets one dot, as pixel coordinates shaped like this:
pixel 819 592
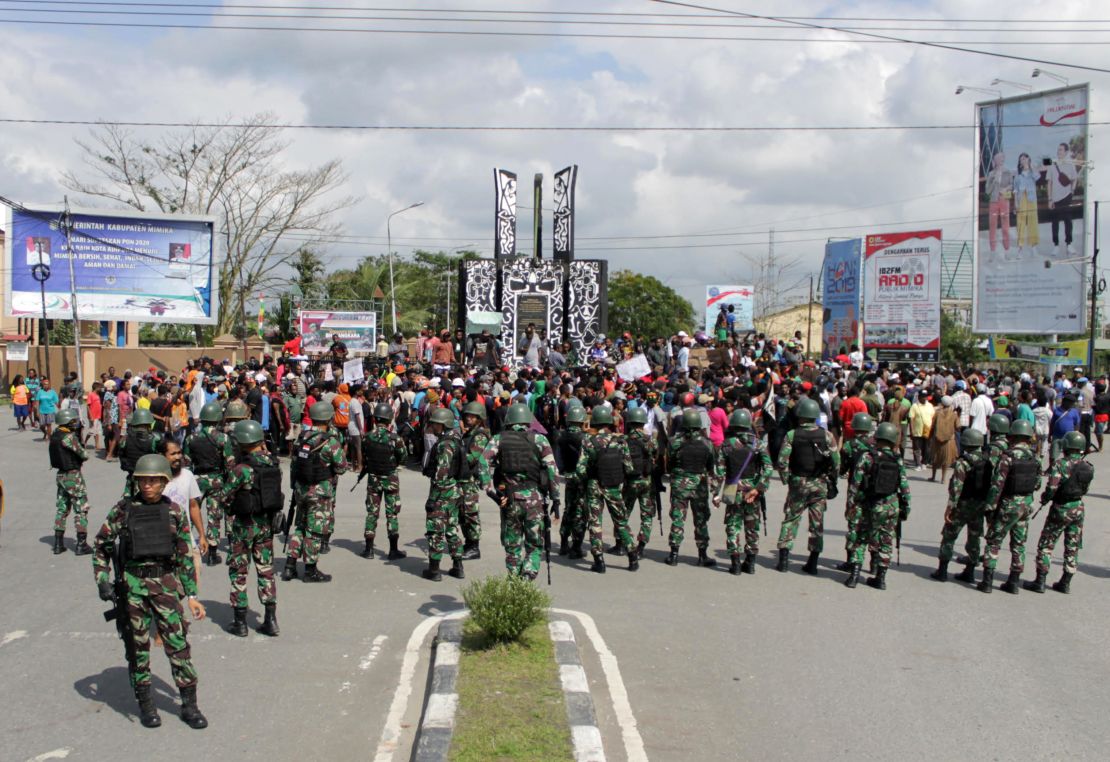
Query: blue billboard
pixel 840 298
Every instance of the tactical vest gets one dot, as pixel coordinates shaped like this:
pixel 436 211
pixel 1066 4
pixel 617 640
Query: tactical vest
pixel 570 449
pixel 1022 477
pixel 738 461
pixel 517 456
pixel 206 455
pixel 641 458
pixel 1076 485
pixel 693 456
pixel 264 495
pixel 977 482
pixel 806 457
pixel 61 457
pixel 378 456
pixel 885 476
pixel 150 536
pixel 609 466
pixel 140 442
pixel 458 470
pixel 308 465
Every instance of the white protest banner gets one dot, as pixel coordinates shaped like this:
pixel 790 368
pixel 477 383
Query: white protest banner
pixel 634 368
pixel 352 371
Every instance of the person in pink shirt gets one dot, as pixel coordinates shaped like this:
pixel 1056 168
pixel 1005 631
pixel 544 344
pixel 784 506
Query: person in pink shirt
pixel 718 422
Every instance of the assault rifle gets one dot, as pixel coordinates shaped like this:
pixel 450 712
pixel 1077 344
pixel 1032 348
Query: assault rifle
pixel 118 613
pixel 290 520
pixel 763 510
pixel 658 489
pixel 362 475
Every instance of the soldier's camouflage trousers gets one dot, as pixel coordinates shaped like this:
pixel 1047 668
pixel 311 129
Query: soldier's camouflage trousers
pixel 642 491
pixel 379 489
pixel 315 514
pixel 215 509
pixel 1068 519
pixel 599 499
pixel 575 519
pixel 441 525
pixel 72 496
pixel 689 492
pixel 522 532
pixel 251 538
pixel 742 517
pixel 470 519
pixel 804 495
pixel 158 599
pixel 882 526
pixel 969 514
pixel 859 529
pixel 1011 518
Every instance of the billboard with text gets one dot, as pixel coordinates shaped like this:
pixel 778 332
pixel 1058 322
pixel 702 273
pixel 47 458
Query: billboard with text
pixel 901 296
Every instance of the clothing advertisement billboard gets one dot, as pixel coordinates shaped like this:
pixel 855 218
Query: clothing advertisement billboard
pixel 1030 213
pixel 728 308
pixel 840 298
pixel 901 296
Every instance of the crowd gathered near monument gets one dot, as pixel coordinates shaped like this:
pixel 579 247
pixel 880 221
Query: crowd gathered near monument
pixel 556 439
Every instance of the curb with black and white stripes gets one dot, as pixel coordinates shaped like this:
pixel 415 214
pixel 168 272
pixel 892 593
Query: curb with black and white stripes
pixel 438 723
pixel 584 731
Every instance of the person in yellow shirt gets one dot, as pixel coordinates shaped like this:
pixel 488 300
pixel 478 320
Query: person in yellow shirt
pixel 921 425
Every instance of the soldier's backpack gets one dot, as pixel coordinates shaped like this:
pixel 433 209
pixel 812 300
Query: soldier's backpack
pixel 1022 477
pixel 609 466
pixel 641 459
pixel 809 452
pixel 885 476
pixel 1077 483
pixel 738 461
pixel 977 482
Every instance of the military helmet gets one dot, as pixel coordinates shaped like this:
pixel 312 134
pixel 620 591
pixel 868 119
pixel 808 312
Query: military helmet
pixel 636 415
pixel 601 416
pixel 211 413
pixel 247 432
pixel 691 419
pixel 886 432
pixel 320 412
pixel 972 438
pixel 383 412
pixel 444 416
pixel 141 417
pixel 1074 441
pixel 998 424
pixel 1022 428
pixel 518 414
pixel 65 417
pixel 862 422
pixel 476 409
pixel 236 410
pixel 807 410
pixel 153 465
pixel 576 414
pixel 740 419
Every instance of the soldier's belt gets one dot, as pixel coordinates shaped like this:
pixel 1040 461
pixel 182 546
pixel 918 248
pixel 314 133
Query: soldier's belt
pixel 149 569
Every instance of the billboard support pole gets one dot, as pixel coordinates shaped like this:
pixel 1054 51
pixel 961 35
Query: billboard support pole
pixel 809 317
pixel 1094 302
pixel 67 224
pixel 45 327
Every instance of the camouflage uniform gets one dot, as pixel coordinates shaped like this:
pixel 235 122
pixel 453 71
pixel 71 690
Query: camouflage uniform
pixel 641 487
pixel 962 511
pixel 805 494
pixel 691 490
pixel 252 536
pixel 441 525
pixel 72 495
pixel 475 442
pixel 882 514
pixel 522 518
pixel 739 514
pixel 212 484
pixel 597 497
pixel 153 593
pixel 383 487
pixel 316 502
pixel 1009 514
pixel 1066 517
pixel 573 527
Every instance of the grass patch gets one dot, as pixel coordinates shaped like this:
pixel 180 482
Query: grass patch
pixel 510 700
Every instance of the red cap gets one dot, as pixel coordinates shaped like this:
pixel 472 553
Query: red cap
pixel 806 386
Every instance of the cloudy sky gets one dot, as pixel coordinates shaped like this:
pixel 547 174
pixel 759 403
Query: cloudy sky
pixel 683 206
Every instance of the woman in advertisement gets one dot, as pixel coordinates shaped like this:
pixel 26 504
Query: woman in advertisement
pixel 1000 190
pixel 1025 199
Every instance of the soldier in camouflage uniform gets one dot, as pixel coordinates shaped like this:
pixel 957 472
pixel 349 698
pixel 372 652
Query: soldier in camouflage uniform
pixel 572 530
pixel 252 493
pixel 318 460
pixel 879 495
pixel 696 473
pixel 67 455
pixel 967 491
pixel 748 472
pixel 998 426
pixel 641 487
pixel 140 440
pixel 445 467
pixel 1017 477
pixel 808 463
pixel 149 537
pixel 474 442
pixel 212 454
pixel 853 449
pixel 383 452
pixel 523 466
pixel 1068 481
pixel 604 467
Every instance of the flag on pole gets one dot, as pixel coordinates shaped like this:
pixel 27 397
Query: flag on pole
pixel 261 315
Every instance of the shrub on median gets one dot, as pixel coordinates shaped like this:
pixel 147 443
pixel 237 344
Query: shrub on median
pixel 504 607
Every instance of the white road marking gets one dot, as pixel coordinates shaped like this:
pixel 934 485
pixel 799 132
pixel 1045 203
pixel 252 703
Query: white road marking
pixel 447 654
pixel 573 678
pixel 587 743
pixel 61 753
pixel 440 712
pixel 12 636
pixel 375 649
pixel 561 631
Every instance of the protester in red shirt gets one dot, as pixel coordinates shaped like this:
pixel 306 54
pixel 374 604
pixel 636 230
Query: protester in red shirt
pixel 848 409
pixel 293 346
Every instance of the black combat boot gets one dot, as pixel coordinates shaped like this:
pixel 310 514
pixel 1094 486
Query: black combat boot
pixel 190 712
pixel 564 545
pixel 618 549
pixel 599 564
pixel 238 626
pixel 269 624
pixel 672 557
pixel 853 575
pixel 471 551
pixel 213 556
pixel 749 563
pixel 290 570
pixel 734 566
pixel 368 551
pixel 811 563
pixel 432 572
pixel 1064 585
pixel 576 551
pixel 784 560
pixel 1013 583
pixel 879 580
pixel 968 574
pixel 148 715
pixel 986 585
pixel 846 566
pixel 395 553
pixel 59 543
pixel 1037 585
pixel 704 559
pixel 325 545
pixel 640 548
pixel 633 560
pixel 457 568
pixel 312 574
pixel 82 548
pixel 941 574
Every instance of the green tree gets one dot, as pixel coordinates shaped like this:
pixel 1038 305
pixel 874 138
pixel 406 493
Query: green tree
pixel 310 280
pixel 958 345
pixel 644 306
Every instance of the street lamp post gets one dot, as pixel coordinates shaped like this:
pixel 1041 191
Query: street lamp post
pixel 389 245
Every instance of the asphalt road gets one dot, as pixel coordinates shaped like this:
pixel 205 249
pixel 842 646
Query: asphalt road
pixel 777 666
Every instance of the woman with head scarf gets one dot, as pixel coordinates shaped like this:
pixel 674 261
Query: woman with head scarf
pixel 942 441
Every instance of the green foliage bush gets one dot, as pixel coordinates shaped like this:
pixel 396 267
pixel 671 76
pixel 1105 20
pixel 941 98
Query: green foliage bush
pixel 504 607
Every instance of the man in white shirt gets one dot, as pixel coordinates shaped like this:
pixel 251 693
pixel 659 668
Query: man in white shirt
pixel 184 490
pixel 981 409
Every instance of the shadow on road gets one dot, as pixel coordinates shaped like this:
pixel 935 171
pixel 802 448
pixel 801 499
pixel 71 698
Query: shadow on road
pixel 112 687
pixel 440 604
